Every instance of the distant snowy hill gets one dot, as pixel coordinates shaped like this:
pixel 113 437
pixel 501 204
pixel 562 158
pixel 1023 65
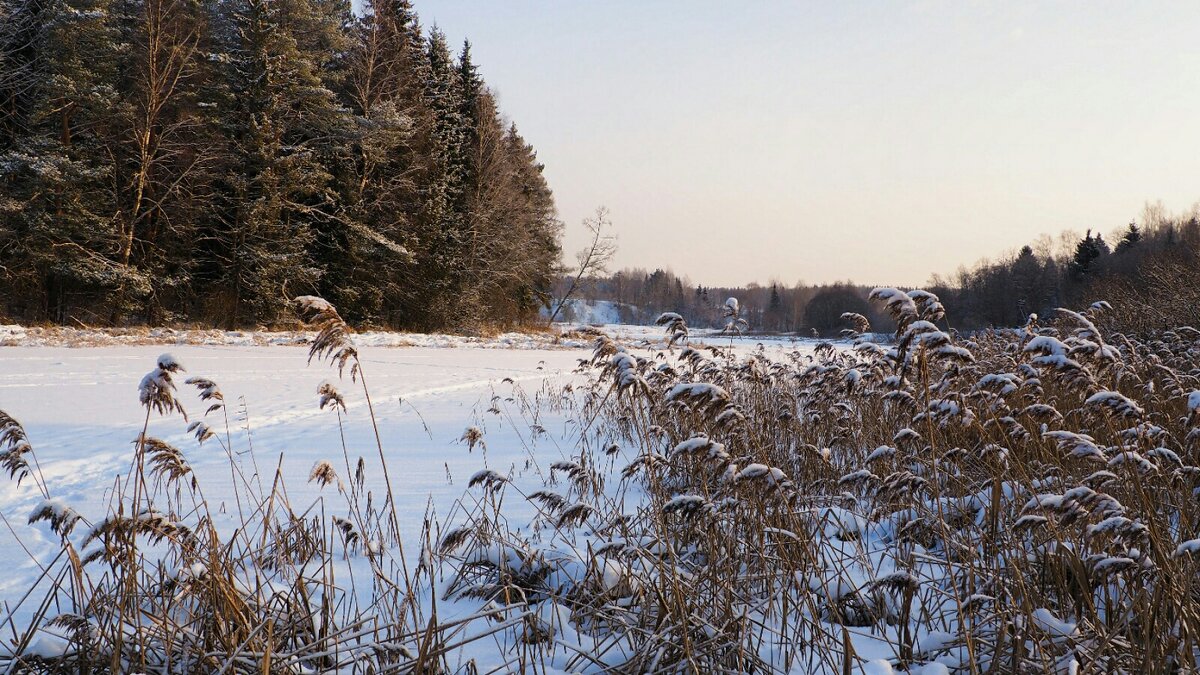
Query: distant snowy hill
pixel 597 312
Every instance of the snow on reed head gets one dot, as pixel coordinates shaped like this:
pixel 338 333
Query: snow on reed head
pixel 675 326
pixel 333 335
pixel 202 431
pixel 734 323
pixel 209 391
pixel 330 396
pixel 472 436
pixel 323 474
pixel 859 324
pixel 156 391
pixel 165 461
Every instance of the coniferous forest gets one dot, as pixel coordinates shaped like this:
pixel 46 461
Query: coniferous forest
pixel 206 160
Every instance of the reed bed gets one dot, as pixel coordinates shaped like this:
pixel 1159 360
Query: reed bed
pixel 1019 501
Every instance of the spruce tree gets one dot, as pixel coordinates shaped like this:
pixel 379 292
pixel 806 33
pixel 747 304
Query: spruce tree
pixel 475 113
pixel 369 253
pixel 284 127
pixel 1133 235
pixel 441 227
pixel 57 234
pixel 775 308
pixel 1089 250
pixel 541 220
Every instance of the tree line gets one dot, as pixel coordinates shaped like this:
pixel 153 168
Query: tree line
pixel 1146 270
pixel 206 160
pixel 640 295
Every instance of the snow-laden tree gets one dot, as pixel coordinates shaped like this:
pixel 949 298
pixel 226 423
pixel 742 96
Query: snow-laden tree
pixel 286 132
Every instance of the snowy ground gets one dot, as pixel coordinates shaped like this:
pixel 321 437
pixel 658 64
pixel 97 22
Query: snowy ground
pixel 80 408
pixel 22 336
pixel 560 336
pixel 81 411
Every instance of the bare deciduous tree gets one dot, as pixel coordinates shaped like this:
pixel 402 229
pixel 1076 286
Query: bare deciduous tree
pixel 593 260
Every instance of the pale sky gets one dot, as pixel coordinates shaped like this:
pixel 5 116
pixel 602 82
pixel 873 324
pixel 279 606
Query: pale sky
pixel 879 142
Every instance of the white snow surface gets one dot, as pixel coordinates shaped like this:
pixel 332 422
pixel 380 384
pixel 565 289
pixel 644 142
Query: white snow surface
pixel 19 336
pixel 558 336
pixel 80 410
pixel 588 312
pixel 79 406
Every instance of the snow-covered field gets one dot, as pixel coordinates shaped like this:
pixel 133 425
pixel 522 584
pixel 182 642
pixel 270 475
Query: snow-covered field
pixel 79 406
pixel 1015 502
pixel 22 336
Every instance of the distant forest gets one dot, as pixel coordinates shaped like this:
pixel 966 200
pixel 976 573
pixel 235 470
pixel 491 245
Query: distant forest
pixel 172 161
pixel 1149 272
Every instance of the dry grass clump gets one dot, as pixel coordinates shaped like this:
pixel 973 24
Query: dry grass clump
pixel 156 585
pixel 17 450
pixel 1012 501
pixel 1009 501
pixel 676 327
